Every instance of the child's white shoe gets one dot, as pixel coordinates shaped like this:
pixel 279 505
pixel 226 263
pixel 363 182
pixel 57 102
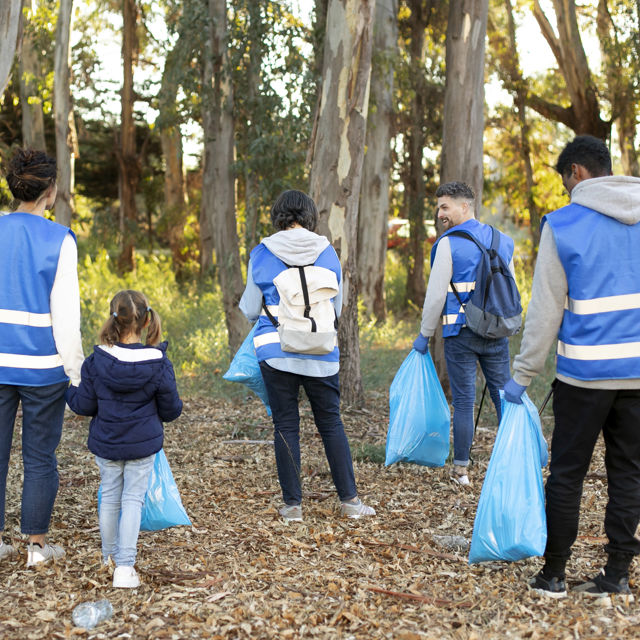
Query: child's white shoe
pixel 125 578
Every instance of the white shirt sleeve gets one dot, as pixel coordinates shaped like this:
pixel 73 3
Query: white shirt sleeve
pixel 437 288
pixel 65 310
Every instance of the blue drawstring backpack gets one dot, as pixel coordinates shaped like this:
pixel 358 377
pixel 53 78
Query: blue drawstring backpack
pixel 244 368
pixel 419 415
pixel 162 506
pixel 510 521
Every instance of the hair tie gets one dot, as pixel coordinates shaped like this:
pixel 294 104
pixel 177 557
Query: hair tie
pixel 115 315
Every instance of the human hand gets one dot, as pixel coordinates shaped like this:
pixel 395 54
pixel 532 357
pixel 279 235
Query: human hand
pixel 421 344
pixel 513 391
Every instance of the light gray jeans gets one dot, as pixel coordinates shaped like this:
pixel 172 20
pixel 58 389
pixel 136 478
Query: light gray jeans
pixel 124 485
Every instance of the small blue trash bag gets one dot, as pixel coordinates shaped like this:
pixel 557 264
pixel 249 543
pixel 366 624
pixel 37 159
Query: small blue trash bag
pixel 419 415
pixel 162 506
pixel 244 368
pixel 510 521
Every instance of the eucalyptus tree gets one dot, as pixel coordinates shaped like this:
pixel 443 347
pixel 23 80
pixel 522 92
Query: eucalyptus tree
pixel 374 197
pixel 337 158
pixel 10 35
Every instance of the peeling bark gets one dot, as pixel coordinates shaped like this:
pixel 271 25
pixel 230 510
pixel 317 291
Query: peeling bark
pixel 337 158
pixel 10 33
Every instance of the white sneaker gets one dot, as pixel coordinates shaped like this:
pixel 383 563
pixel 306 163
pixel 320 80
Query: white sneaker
pixel 291 512
pixel 356 509
pixel 125 578
pixel 459 475
pixel 37 554
pixel 6 550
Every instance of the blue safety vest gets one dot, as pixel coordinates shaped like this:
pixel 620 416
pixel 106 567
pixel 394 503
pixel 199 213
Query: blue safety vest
pixel 599 338
pixel 29 252
pixel 265 267
pixel 465 256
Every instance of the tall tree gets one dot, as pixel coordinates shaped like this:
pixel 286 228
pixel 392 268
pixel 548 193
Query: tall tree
pixel 337 158
pixel 30 84
pixel 66 141
pixel 10 34
pixel 128 164
pixel 583 113
pixel 374 198
pixel 218 180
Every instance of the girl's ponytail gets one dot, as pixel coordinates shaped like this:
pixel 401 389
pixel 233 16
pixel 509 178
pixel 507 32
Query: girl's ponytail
pixel 110 332
pixel 154 328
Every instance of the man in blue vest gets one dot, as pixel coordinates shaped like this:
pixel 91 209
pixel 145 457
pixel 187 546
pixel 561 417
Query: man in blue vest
pixel 586 293
pixel 455 259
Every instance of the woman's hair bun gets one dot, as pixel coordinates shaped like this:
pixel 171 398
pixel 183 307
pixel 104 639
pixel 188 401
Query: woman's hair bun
pixel 30 174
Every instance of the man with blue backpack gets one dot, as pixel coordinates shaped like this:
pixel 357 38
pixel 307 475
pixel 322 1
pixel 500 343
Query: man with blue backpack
pixel 586 293
pixel 472 287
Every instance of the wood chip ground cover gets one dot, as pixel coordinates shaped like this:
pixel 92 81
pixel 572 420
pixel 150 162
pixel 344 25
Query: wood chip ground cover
pixel 240 572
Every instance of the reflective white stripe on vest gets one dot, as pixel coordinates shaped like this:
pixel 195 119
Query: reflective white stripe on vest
pixel 273 310
pixel 452 318
pixel 602 305
pixel 9 316
pixel 599 351
pixel 16 361
pixel 463 287
pixel 266 338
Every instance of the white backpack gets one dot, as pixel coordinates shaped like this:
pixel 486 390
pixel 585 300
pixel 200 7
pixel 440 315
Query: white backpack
pixel 307 320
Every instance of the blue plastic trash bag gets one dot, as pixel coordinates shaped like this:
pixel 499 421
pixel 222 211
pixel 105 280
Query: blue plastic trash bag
pixel 510 522
pixel 419 415
pixel 244 368
pixel 162 506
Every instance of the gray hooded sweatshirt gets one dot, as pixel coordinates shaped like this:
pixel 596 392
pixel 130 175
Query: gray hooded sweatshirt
pixel 615 196
pixel 295 247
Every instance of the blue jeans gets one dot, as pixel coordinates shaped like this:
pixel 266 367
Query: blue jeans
pixel 124 486
pixel 324 396
pixel 42 417
pixel 462 352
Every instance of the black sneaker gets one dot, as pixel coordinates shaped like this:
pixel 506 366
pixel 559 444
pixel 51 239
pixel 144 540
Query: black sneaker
pixel 601 587
pixel 554 587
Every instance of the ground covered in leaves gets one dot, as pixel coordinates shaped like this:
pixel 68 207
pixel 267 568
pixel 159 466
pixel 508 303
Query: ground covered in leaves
pixel 240 572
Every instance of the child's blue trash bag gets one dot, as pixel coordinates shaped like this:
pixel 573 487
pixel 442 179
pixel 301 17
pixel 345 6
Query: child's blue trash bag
pixel 419 414
pixel 244 368
pixel 510 521
pixel 162 506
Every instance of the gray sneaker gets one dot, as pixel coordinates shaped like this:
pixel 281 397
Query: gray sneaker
pixel 6 550
pixel 39 555
pixel 291 512
pixel 356 509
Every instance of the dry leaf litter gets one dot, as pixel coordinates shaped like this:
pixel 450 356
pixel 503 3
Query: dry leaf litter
pixel 240 572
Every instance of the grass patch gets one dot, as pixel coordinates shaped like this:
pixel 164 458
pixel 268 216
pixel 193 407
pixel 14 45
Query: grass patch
pixel 368 452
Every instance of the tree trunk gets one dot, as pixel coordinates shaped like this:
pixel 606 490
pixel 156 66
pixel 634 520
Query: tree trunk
pixel 374 197
pixel 171 140
pixel 30 92
pixel 583 115
pixel 337 158
pixel 128 164
pixel 66 140
pixel 10 33
pixel 463 124
pixel 218 180
pixel 415 187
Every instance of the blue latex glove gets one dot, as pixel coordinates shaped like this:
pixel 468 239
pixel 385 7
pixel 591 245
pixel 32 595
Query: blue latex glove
pixel 421 344
pixel 513 391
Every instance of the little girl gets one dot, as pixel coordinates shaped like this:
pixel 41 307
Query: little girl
pixel 129 389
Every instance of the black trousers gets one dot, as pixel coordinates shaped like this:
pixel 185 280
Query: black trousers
pixel 580 416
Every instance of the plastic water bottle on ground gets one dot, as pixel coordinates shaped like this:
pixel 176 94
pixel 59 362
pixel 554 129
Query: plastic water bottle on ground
pixel 89 614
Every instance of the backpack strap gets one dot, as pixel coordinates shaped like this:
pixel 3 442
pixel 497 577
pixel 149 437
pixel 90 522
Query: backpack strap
pixel 274 322
pixel 470 236
pixel 307 303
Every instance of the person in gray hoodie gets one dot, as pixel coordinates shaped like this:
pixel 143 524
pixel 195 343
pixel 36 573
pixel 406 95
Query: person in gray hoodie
pixel 285 368
pixel 586 293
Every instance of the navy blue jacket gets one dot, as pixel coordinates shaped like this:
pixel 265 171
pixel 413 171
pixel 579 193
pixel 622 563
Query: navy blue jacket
pixel 129 389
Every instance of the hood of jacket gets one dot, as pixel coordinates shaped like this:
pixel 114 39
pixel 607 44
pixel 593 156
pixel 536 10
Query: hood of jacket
pixel 296 247
pixel 124 367
pixel 615 196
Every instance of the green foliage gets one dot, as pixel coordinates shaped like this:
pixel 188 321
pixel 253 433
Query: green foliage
pixel 369 452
